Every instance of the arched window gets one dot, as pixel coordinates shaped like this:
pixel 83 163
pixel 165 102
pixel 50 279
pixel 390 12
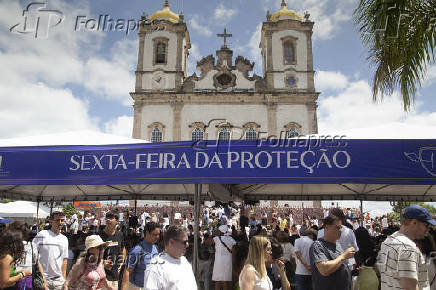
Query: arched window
pixel 224 134
pixel 160 52
pixel 197 134
pixel 288 52
pixel 292 133
pixel 251 134
pixel 156 135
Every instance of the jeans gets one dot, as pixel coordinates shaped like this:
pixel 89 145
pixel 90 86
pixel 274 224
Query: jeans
pixel 304 282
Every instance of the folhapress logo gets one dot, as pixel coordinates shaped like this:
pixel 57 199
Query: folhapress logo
pixel 38 20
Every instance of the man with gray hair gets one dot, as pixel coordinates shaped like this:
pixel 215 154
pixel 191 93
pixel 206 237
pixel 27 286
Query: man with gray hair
pixel 171 271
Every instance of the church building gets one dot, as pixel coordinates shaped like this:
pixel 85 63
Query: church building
pixel 225 100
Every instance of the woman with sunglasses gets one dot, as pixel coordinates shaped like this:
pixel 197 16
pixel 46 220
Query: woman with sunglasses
pixel 254 275
pixel 88 272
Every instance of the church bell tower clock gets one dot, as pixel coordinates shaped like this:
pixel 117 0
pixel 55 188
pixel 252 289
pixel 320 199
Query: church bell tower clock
pixel 163 50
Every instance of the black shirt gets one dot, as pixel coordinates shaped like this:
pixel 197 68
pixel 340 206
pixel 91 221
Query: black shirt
pixel 275 277
pixel 114 253
pixel 243 221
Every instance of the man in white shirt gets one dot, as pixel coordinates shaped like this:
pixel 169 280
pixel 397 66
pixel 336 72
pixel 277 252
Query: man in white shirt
pixel 303 272
pixel 52 251
pixel 171 271
pixel 400 262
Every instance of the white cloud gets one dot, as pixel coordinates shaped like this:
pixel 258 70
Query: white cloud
pixel 194 57
pixel 254 50
pixel 224 15
pixel 113 78
pixel 328 15
pixel 430 76
pixel 33 95
pixel 194 24
pixel 351 107
pixel 329 80
pixel 33 109
pixel 121 126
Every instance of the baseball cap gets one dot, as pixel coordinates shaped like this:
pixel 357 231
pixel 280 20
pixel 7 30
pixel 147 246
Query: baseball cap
pixel 418 212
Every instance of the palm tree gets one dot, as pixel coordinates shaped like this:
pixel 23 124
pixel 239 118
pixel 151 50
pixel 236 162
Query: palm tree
pixel 400 37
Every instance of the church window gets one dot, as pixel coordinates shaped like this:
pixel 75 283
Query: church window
pixel 288 51
pixel 156 135
pixel 291 81
pixel 197 134
pixel 292 130
pixel 224 134
pixel 251 134
pixel 292 133
pixel 160 53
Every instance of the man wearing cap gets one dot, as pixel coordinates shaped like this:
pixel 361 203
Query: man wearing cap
pixel 400 262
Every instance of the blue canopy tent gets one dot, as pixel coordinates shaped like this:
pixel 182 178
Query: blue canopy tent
pixel 299 169
pixel 4 221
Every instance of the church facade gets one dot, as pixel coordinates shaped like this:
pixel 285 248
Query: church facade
pixel 225 100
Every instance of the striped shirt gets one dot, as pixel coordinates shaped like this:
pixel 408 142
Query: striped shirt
pixel 399 257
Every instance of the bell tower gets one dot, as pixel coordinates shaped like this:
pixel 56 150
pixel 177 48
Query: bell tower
pixel 163 50
pixel 286 47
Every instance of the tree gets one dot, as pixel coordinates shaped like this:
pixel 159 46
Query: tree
pixel 400 36
pixel 398 209
pixel 69 210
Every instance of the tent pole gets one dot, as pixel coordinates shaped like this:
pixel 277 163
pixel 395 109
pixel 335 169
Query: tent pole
pixel 37 215
pixel 361 213
pixel 51 206
pixel 136 203
pixel 196 226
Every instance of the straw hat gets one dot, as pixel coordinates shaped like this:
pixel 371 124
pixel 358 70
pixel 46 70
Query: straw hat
pixel 94 241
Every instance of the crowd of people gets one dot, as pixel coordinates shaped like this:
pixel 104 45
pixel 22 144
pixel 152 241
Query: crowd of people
pixel 239 247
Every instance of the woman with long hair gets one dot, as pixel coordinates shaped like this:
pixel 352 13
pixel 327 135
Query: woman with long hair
pixel 254 276
pixel 11 253
pixel 88 272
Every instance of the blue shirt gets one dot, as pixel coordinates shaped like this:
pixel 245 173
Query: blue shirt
pixel 138 259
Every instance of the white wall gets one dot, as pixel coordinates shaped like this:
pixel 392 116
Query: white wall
pixel 277 50
pixel 236 115
pixel 157 113
pixel 148 51
pixel 292 113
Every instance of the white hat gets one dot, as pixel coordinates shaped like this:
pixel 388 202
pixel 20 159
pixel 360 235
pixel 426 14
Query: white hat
pixel 223 228
pixel 94 241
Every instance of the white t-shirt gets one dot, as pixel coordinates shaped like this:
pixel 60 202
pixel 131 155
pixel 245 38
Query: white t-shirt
pixel 288 251
pixel 385 222
pixel 52 249
pixel 167 273
pixel 399 257
pixel 302 245
pixel 222 268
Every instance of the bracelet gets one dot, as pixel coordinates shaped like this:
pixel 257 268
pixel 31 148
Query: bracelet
pixel 22 275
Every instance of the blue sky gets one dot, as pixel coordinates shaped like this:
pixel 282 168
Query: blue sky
pixel 75 80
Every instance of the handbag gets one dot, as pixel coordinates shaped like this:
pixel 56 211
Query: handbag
pixel 37 279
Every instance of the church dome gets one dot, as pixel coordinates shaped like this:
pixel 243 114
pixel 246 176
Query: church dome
pixel 165 14
pixel 285 13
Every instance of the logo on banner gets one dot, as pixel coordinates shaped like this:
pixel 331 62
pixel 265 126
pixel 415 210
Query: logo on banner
pixel 426 157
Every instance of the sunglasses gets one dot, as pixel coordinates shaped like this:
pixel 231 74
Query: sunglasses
pixel 184 242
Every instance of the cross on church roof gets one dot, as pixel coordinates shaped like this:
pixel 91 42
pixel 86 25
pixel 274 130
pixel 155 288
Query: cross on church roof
pixel 225 35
